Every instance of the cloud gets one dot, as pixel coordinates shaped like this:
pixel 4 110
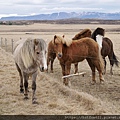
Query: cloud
pixel 27 7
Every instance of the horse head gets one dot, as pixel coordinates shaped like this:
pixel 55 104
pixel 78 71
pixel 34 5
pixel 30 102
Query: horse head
pixel 98 31
pixel 40 53
pixel 58 44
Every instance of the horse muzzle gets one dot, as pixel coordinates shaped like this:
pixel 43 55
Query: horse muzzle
pixel 42 69
pixel 60 55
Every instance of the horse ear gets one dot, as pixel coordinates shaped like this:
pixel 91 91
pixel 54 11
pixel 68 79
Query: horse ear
pixel 54 39
pixel 36 42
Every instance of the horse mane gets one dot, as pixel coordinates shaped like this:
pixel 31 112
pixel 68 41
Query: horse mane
pixel 83 32
pixel 64 40
pixel 99 31
pixel 27 52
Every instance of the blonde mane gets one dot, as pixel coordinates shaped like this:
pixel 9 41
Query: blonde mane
pixel 27 53
pixel 65 40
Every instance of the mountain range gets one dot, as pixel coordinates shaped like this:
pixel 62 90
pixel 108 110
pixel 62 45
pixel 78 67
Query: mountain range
pixel 65 15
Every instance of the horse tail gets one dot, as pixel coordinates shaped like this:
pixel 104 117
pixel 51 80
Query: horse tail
pixel 115 60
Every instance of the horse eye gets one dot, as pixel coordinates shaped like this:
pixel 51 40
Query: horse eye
pixel 37 52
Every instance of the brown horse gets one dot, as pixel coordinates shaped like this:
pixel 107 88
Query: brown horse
pixel 69 51
pixel 107 49
pixel 107 46
pixel 84 33
pixel 51 55
pixel 51 52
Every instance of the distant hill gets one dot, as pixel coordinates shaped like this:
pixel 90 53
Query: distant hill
pixel 65 15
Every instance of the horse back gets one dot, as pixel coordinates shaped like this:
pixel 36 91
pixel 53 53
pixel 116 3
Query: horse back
pixel 81 49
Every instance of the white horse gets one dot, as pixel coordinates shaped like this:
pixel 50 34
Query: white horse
pixel 29 55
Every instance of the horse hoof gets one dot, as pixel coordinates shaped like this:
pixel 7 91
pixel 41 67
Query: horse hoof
pixel 102 81
pixel 21 90
pixel 83 75
pixel 93 82
pixel 26 98
pixel 34 101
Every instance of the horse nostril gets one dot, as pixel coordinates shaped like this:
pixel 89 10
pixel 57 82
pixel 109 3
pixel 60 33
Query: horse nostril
pixel 59 55
pixel 42 69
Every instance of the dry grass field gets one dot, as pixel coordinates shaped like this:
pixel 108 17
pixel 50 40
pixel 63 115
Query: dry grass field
pixel 52 96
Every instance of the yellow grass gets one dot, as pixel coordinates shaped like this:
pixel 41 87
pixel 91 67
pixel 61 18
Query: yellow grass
pixel 52 96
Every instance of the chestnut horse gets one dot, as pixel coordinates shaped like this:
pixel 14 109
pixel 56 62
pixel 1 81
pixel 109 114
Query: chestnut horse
pixel 52 55
pixel 107 49
pixel 84 33
pixel 69 51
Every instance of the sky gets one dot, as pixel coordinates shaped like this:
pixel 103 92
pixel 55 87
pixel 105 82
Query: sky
pixel 33 7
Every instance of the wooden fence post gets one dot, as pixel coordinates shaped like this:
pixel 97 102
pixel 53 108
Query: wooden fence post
pixel 1 41
pixel 6 44
pixel 12 45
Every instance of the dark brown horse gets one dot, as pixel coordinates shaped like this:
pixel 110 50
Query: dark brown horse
pixel 69 51
pixel 107 49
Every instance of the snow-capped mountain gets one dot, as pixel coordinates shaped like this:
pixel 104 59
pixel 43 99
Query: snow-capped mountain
pixel 65 15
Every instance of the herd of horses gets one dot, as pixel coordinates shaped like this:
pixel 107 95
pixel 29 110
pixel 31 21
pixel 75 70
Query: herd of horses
pixel 31 53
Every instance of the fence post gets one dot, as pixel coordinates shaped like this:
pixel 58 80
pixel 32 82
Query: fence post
pixel 1 41
pixel 12 45
pixel 6 44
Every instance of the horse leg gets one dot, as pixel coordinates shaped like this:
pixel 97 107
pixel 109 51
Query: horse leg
pixel 111 63
pixel 21 79
pixel 63 72
pixel 47 65
pixel 52 65
pixel 99 68
pixel 67 72
pixel 26 77
pixel 93 70
pixel 34 87
pixel 76 68
pixel 105 63
pixel 52 60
